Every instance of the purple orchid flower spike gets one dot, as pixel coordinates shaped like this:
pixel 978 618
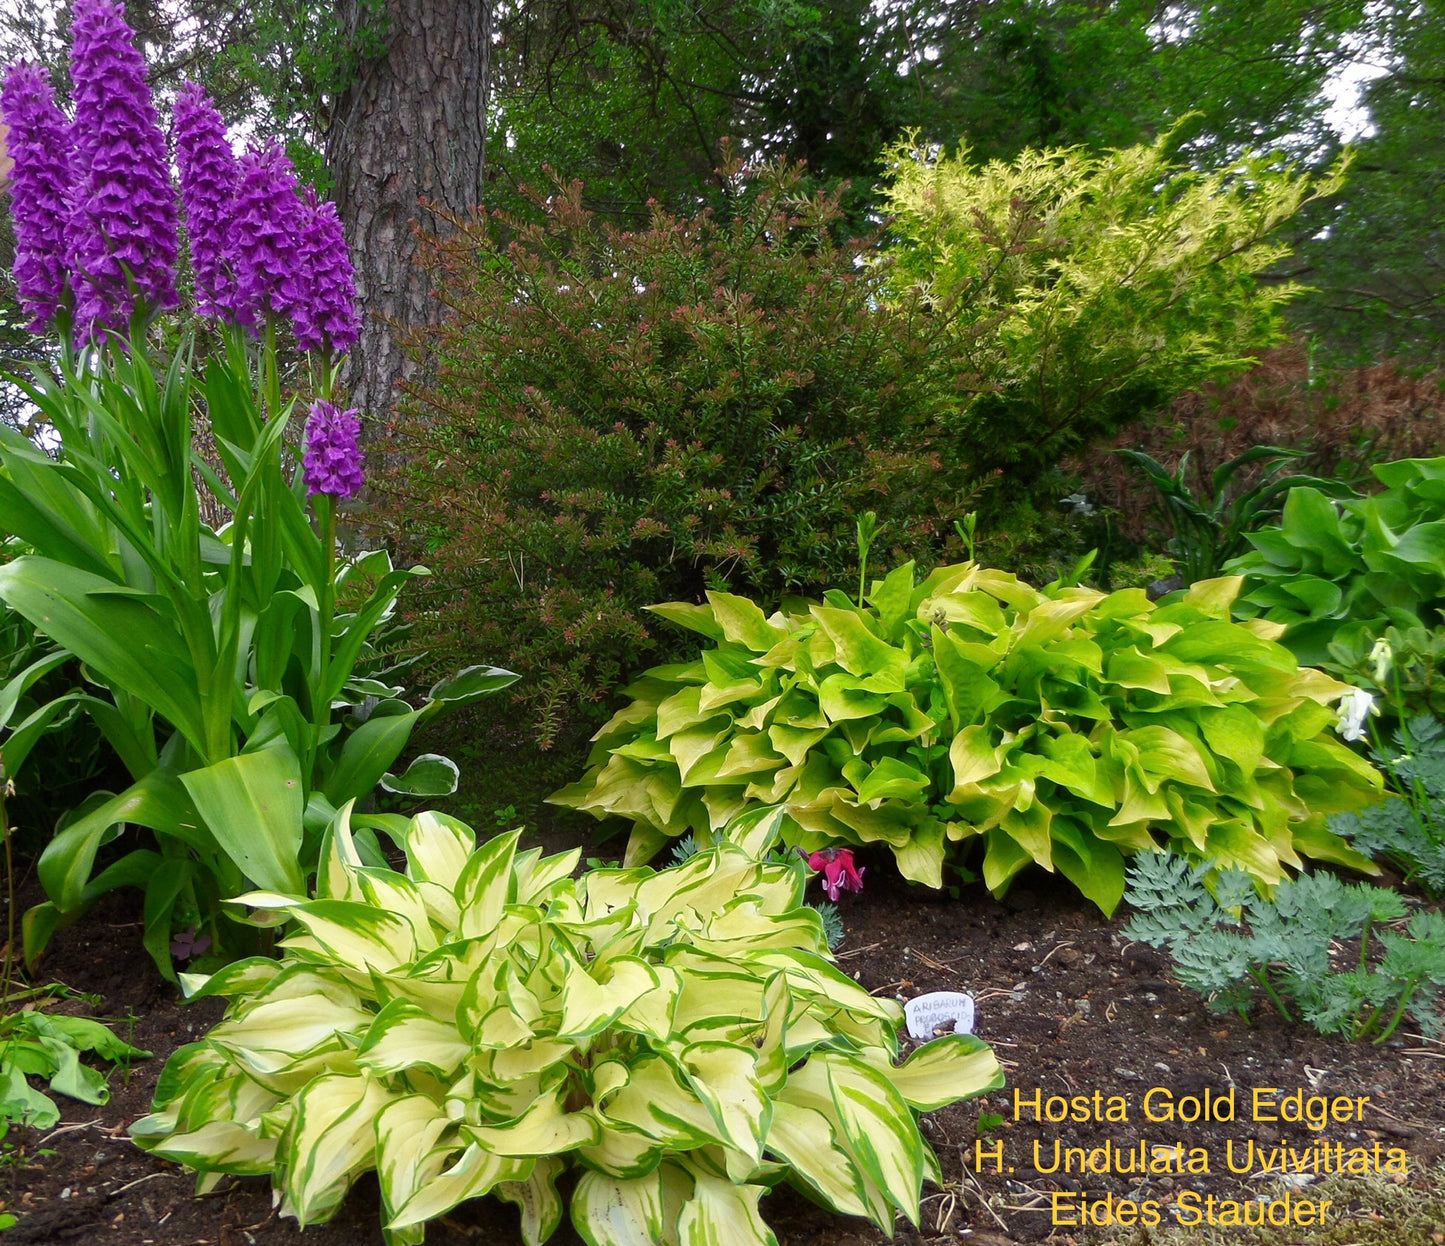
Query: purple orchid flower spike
pixel 39 143
pixel 210 177
pixel 121 234
pixel 332 459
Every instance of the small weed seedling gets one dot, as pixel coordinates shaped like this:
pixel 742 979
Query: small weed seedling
pixel 1228 942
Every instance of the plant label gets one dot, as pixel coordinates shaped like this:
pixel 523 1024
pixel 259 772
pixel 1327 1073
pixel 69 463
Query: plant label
pixel 939 1013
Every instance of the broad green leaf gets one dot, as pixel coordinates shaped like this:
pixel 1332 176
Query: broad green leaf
pixel 252 804
pixel 743 623
pixel 537 1199
pixel 720 1213
pixel 543 1129
pixel 404 1036
pixel 643 1211
pixel 157 801
pixel 804 1137
pixel 429 775
pixel 724 1078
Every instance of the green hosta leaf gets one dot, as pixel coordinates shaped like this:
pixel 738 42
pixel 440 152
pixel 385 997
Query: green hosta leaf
pixel 431 774
pixel 945 1070
pixel 405 1036
pixel 408 1157
pixel 743 623
pixel 544 1129
pixel 720 1213
pixel 724 1078
pixel 805 1138
pixel 473 1173
pixel 537 1199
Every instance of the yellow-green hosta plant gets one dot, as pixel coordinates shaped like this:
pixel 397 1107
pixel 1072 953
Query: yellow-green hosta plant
pixel 1060 726
pixel 484 1022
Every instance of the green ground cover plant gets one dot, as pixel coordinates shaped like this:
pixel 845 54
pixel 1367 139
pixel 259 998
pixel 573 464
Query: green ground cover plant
pixel 1231 942
pixel 484 1021
pixel 1062 727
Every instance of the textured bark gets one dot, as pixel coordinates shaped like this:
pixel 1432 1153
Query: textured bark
pixel 411 127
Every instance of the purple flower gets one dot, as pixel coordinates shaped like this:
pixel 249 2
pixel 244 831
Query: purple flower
pixel 209 179
pixel 263 237
pixel 321 290
pixel 39 143
pixel 332 460
pixel 122 227
pixel 839 872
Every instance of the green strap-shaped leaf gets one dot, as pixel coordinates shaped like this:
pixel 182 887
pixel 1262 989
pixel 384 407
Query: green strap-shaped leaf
pixel 123 640
pixel 157 801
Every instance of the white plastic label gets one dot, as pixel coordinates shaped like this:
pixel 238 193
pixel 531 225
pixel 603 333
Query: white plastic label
pixel 938 1013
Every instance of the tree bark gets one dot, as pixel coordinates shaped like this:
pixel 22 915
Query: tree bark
pixel 411 127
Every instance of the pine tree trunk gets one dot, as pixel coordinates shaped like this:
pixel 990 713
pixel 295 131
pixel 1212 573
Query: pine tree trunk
pixel 411 127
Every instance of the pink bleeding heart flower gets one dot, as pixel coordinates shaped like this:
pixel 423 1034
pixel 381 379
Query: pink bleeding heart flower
pixel 838 869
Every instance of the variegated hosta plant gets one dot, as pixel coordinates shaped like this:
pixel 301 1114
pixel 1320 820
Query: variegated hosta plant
pixel 1064 727
pixel 483 1022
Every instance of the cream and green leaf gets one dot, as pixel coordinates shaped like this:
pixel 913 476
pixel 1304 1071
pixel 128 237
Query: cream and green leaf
pixel 1061 727
pixel 483 1021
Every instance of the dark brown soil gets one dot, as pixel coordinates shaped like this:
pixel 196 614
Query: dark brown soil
pixel 1071 1008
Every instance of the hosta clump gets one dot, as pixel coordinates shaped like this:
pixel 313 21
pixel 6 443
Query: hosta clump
pixel 1338 573
pixel 484 1021
pixel 1064 727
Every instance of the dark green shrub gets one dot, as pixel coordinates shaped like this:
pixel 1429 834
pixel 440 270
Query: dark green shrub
pixel 611 419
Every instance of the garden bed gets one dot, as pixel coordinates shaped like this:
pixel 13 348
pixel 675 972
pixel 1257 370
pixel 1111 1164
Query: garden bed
pixel 1070 1006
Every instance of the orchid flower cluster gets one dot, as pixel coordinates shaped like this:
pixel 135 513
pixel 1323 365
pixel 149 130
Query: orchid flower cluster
pixel 96 220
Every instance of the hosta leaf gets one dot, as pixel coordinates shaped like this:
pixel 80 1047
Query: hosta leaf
pixel 879 1127
pixel 485 884
pixel 357 935
pixel 537 1199
pixel 474 1173
pixel 724 1078
pixel 405 1036
pixel 720 1213
pixel 333 1137
pixel 804 1137
pixel 945 1070
pixel 408 1130
pixel 609 1211
pixel 742 622
pixel 543 1129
